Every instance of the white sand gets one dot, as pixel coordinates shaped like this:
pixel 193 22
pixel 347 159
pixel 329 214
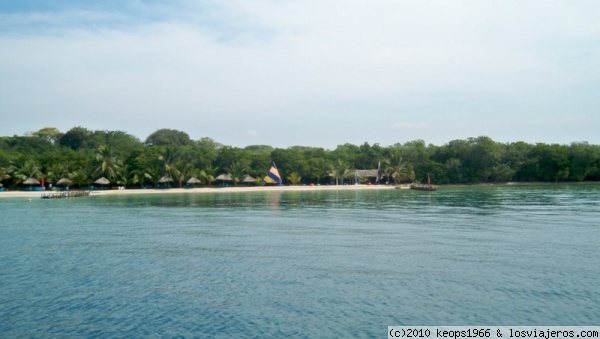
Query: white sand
pixel 38 194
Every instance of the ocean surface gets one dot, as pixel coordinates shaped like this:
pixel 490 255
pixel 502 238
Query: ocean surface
pixel 315 264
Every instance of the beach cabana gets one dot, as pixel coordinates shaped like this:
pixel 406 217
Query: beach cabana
pixel 102 182
pixel 165 180
pixel 193 181
pixel 223 178
pixel 248 180
pixel 30 182
pixel 64 182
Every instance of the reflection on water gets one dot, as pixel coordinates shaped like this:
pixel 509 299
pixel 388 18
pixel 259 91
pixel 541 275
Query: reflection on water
pixel 301 264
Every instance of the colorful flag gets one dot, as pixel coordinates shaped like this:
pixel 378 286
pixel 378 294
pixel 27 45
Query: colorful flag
pixel 273 176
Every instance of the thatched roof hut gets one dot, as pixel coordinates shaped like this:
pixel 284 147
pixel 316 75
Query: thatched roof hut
pixel 224 177
pixel 194 181
pixel 31 181
pixel 64 182
pixel 369 173
pixel 165 179
pixel 249 180
pixel 102 181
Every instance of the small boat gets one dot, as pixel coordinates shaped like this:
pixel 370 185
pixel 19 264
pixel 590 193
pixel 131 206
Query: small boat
pixel 423 187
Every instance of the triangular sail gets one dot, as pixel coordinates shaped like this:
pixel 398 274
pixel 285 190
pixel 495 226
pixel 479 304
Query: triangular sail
pixel 273 176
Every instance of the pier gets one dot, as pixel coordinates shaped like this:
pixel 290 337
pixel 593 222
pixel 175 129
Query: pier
pixel 66 194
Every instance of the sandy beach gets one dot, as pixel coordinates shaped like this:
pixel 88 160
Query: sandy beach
pixel 207 190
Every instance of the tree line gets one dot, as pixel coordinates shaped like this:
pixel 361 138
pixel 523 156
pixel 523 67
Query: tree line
pixel 82 156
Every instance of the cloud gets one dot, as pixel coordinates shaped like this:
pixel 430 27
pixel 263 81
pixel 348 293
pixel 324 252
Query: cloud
pixel 198 66
pixel 251 133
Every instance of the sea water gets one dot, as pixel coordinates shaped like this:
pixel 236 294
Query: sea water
pixel 315 264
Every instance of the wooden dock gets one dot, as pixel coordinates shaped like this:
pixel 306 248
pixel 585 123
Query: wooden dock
pixel 65 194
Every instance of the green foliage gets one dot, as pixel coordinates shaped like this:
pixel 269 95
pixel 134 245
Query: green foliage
pixel 165 136
pixel 84 155
pixel 50 134
pixel 294 178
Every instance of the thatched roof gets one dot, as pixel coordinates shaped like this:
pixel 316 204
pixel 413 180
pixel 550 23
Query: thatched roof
pixel 31 181
pixel 194 180
pixel 165 179
pixel 249 179
pixel 371 173
pixel 102 181
pixel 225 177
pixel 64 181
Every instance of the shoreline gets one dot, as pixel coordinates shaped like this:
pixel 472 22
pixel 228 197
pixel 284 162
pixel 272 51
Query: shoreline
pixel 209 190
pixel 242 189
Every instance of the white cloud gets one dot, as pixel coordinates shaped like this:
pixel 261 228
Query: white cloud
pixel 251 133
pixel 205 65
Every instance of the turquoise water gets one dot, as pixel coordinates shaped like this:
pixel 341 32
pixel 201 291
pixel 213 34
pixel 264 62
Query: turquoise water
pixel 299 264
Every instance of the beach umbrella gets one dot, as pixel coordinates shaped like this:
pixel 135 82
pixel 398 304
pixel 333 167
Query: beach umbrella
pixel 102 181
pixel 165 179
pixel 249 180
pixel 31 181
pixel 224 177
pixel 64 182
pixel 194 181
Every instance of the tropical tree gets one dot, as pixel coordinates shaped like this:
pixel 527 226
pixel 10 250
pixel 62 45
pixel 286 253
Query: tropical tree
pixel 294 178
pixel 341 170
pixel 167 136
pixel 397 169
pixel 319 168
pixel 56 172
pixel 126 176
pixel 209 174
pixel 108 165
pixel 79 178
pixel 4 174
pixel 169 156
pixel 236 172
pixel 21 171
pixel 50 134
pixel 183 169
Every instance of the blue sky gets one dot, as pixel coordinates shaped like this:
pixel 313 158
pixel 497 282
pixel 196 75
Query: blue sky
pixel 312 73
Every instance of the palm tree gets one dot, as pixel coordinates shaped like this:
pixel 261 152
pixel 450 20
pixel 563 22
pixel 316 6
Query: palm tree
pixel 169 156
pixel 209 174
pixel 79 178
pixel 397 169
pixel 236 171
pixel 182 171
pixel 341 170
pixel 152 175
pixel 126 176
pixel 21 171
pixel 108 164
pixel 319 168
pixel 294 178
pixel 4 174
pixel 56 172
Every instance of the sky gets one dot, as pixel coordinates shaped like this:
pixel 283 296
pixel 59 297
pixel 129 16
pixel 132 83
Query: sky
pixel 304 72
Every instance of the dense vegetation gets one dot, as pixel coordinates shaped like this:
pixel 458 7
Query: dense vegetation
pixel 83 156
